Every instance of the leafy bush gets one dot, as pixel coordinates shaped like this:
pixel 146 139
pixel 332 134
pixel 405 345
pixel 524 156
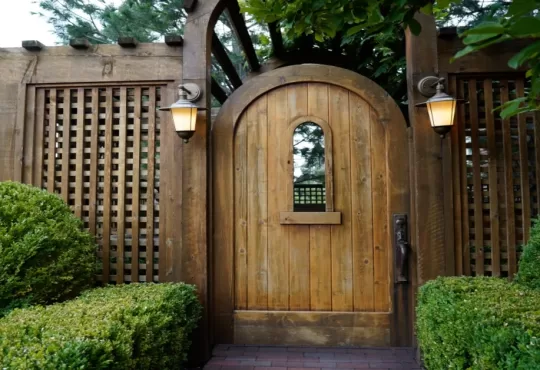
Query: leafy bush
pixel 137 326
pixel 45 255
pixel 478 323
pixel 529 263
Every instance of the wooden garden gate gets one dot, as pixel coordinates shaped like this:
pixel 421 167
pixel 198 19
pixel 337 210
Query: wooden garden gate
pixel 284 275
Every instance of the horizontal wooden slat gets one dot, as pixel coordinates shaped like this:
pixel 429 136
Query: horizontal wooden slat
pixel 310 218
pixel 312 328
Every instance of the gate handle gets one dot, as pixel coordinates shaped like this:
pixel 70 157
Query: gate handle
pixel 402 246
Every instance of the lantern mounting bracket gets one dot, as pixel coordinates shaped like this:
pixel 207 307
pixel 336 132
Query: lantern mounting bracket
pixel 427 86
pixel 189 91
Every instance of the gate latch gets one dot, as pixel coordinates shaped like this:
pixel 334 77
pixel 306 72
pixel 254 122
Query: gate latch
pixel 402 247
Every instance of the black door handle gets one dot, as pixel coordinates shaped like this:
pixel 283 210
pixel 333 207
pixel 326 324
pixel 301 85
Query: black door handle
pixel 402 248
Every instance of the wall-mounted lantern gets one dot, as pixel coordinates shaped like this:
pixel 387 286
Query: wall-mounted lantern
pixel 441 106
pixel 184 111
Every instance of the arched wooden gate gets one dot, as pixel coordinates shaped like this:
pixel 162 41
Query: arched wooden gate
pixel 327 277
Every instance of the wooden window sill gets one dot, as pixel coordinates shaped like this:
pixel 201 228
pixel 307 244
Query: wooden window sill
pixel 310 218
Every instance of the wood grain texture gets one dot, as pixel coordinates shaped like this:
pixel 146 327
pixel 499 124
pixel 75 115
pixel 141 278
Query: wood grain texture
pixel 362 204
pixel 493 180
pixel 241 215
pixel 310 218
pixel 135 190
pixel 477 180
pixel 379 192
pixel 312 328
pixel 39 141
pixel 524 167
pixel 509 187
pixel 341 235
pixel 94 151
pixel 257 204
pixel 463 184
pixel 279 192
pixel 299 235
pixel 66 144
pixel 29 136
pixel 106 241
pixel 320 239
pixel 150 198
pixel 121 202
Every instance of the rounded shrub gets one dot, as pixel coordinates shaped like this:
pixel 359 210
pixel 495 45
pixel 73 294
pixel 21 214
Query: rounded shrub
pixel 45 255
pixel 529 263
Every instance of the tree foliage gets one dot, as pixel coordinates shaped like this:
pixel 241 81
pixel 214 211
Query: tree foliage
pixel 520 20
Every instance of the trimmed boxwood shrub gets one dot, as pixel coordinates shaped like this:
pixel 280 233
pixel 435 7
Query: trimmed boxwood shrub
pixel 45 255
pixel 478 323
pixel 529 263
pixel 137 326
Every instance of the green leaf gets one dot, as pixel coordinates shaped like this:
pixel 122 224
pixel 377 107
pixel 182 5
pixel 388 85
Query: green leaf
pixel 478 38
pixel 465 51
pixel 518 7
pixel 525 27
pixel 525 54
pixel 428 9
pixel 354 30
pixel 414 26
pixel 486 27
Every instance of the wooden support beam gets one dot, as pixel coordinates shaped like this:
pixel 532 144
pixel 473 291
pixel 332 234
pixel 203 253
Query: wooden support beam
pixel 128 42
pixel 79 43
pixel 174 40
pixel 429 218
pixel 277 39
pixel 218 92
pixel 189 5
pixel 32 45
pixel 241 31
pixel 225 62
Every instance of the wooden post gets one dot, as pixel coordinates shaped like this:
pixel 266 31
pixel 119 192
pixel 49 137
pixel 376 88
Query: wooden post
pixel 428 227
pixel 193 253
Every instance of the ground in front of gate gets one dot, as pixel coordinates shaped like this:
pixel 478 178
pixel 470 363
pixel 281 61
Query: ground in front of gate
pixel 229 357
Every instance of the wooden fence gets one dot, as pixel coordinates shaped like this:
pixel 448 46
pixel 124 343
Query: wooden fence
pixel 496 173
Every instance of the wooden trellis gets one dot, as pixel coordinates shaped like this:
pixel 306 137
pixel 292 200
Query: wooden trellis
pixel 496 173
pixel 101 152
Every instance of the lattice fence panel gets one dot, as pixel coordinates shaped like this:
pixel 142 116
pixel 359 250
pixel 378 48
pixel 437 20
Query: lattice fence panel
pixel 101 155
pixel 496 175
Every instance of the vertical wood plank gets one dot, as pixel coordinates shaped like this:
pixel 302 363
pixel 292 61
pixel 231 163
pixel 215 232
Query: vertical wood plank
pixel 524 167
pixel 29 135
pixel 257 201
pixel 278 193
pixel 456 139
pixel 51 166
pixel 463 184
pixel 107 185
pixel 299 268
pixel 94 137
pixel 362 207
pixel 66 144
pixel 121 215
pixel 39 140
pixel 79 157
pixel 150 185
pixel 509 187
pixel 477 180
pixel 320 238
pixel 341 235
pixel 493 194
pixel 135 190
pixel 381 244
pixel 241 214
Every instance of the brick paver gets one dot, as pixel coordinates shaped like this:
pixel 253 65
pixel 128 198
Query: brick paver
pixel 234 357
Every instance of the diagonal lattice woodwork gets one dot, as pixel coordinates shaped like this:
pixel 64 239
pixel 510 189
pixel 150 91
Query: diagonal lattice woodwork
pixel 101 153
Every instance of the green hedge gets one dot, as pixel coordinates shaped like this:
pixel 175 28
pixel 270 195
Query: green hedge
pixel 478 323
pixel 138 326
pixel 45 255
pixel 529 263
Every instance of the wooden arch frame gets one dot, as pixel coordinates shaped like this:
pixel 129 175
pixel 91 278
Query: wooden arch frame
pixel 222 256
pixel 328 158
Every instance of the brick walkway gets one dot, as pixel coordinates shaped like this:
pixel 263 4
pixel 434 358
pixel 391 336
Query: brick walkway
pixel 297 358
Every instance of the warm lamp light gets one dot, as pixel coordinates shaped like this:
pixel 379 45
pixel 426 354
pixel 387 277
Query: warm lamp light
pixel 184 111
pixel 441 106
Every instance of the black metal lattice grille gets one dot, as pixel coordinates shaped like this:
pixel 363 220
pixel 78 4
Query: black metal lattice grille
pixel 309 198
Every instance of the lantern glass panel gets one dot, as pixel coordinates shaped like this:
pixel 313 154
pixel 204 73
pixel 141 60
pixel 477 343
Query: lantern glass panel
pixel 441 113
